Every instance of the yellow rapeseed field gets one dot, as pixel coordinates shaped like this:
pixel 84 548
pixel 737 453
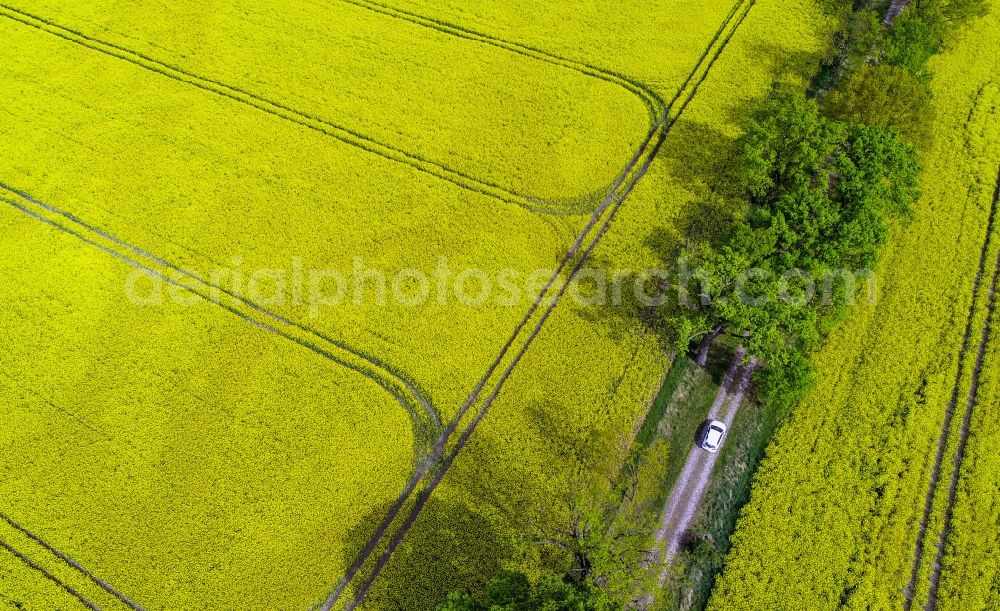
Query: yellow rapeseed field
pixel 186 457
pixel 237 454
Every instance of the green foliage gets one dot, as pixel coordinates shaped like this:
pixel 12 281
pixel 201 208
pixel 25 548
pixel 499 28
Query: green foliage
pixel 860 32
pixel 916 35
pixel 783 388
pixel 837 502
pixel 512 591
pixel 961 11
pixel 188 198
pixel 822 196
pixel 602 530
pixel 785 142
pixel 737 291
pixel 826 191
pixel 885 95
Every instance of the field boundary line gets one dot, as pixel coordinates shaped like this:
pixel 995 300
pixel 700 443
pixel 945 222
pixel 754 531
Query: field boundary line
pixel 612 204
pixel 653 101
pixel 31 564
pixel 71 563
pixel 424 417
pixel 276 109
pixel 911 589
pixel 963 434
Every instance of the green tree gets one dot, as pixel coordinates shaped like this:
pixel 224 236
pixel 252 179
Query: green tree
pixel 915 36
pixel 885 95
pixel 601 530
pixel 958 11
pixel 512 591
pixel 836 214
pixel 785 140
pixel 734 291
pixel 821 195
pixel 859 32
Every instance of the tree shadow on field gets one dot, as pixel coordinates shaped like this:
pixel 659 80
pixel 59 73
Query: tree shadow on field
pixel 449 547
pixel 698 195
pixel 697 156
pixel 787 64
pixel 507 507
pixel 576 441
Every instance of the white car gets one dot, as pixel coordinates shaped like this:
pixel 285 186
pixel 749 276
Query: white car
pixel 712 434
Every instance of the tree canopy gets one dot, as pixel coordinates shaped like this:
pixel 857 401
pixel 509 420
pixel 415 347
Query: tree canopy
pixel 512 591
pixel 886 95
pixel 821 197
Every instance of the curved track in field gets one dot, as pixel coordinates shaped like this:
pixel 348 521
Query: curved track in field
pixel 424 417
pixel 943 440
pixel 426 422
pixel 439 463
pixel 652 100
pixel 283 111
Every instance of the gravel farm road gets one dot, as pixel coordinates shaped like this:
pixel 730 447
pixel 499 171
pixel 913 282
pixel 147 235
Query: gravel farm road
pixel 689 490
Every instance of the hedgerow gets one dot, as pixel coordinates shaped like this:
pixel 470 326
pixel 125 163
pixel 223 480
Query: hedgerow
pixel 200 179
pixel 836 504
pixel 579 395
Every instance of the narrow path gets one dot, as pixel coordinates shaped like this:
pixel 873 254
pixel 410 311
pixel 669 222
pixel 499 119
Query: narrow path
pixel 611 205
pixel 682 488
pixel 689 491
pixel 911 588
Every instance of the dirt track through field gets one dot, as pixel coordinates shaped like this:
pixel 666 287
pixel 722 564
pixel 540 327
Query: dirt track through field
pixel 427 423
pixel 689 490
pixel 424 416
pixel 943 440
pixel 68 561
pixel 970 406
pixel 608 210
pixel 611 203
pixel 390 379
